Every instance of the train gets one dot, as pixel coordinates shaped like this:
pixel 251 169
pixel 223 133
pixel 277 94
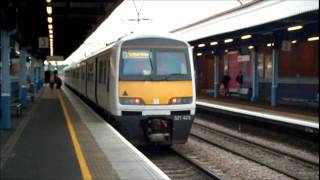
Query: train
pixel 144 83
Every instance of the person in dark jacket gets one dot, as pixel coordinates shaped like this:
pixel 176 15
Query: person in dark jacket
pixel 52 79
pixel 239 80
pixel 225 81
pixel 58 82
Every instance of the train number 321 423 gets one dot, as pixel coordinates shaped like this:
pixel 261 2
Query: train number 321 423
pixel 184 117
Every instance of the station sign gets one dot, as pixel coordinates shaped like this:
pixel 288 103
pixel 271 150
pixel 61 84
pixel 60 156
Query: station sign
pixel 43 42
pixel 286 46
pixel 243 58
pixel 55 58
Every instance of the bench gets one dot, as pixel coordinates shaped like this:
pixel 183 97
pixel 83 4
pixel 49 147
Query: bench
pixel 239 91
pixel 15 103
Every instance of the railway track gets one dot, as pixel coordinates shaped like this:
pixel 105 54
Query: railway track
pixel 286 164
pixel 178 166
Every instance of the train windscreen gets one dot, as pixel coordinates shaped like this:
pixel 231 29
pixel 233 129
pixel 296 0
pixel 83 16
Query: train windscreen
pixel 154 64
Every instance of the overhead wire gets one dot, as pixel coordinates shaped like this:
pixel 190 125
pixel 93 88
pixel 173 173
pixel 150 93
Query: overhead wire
pixel 138 12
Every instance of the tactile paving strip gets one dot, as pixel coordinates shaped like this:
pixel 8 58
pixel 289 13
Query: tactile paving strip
pixel 99 166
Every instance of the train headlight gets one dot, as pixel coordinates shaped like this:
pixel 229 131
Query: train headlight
pixel 180 100
pixel 131 101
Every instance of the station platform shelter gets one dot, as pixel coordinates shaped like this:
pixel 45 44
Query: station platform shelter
pixel 278 61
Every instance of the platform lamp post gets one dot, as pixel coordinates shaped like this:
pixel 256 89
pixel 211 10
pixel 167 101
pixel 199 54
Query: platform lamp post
pixel 31 74
pixel 23 77
pixel 5 81
pixel 216 75
pixel 41 74
pixel 274 83
pixel 255 75
pixel 36 76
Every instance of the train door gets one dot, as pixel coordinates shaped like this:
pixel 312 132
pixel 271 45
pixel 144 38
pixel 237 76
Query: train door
pixel 96 80
pixel 91 80
pixel 102 94
pixel 82 77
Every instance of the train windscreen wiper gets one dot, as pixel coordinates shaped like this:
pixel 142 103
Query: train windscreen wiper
pixel 151 64
pixel 172 75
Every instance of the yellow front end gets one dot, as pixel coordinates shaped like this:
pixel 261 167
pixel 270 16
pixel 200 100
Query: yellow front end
pixel 155 92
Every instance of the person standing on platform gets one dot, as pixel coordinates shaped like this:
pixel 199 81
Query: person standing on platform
pixel 52 79
pixel 58 82
pixel 225 81
pixel 239 80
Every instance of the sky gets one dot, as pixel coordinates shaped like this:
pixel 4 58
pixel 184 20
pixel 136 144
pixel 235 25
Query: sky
pixel 160 17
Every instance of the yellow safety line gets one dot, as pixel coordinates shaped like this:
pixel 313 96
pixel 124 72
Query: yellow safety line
pixel 82 162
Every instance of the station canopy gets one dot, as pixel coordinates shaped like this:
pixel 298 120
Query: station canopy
pixel 188 20
pixel 73 21
pixel 150 16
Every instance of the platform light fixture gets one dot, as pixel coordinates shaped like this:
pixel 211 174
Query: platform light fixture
pixel 48 1
pixel 228 40
pixel 294 28
pixel 201 45
pixel 51 36
pixel 248 36
pixel 250 47
pixel 269 44
pixel 212 52
pixel 315 38
pixel 50 20
pixel 294 42
pixel 51 40
pixel 226 50
pixel 49 10
pixel 50 26
pixel 50 31
pixel 199 54
pixel 192 47
pixel 214 43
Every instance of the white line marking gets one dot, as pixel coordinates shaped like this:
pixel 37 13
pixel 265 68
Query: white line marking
pixel 263 115
pixel 70 96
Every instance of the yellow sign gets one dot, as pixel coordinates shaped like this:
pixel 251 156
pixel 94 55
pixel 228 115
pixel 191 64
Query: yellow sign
pixel 138 54
pixel 135 54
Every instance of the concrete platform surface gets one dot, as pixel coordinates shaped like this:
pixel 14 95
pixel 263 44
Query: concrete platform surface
pixel 62 138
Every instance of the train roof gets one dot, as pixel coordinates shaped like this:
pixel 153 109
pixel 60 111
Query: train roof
pixel 132 36
pixel 146 35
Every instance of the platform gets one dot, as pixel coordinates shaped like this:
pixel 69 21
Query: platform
pixel 298 116
pixel 61 138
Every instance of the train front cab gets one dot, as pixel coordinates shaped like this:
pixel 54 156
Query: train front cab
pixel 156 91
